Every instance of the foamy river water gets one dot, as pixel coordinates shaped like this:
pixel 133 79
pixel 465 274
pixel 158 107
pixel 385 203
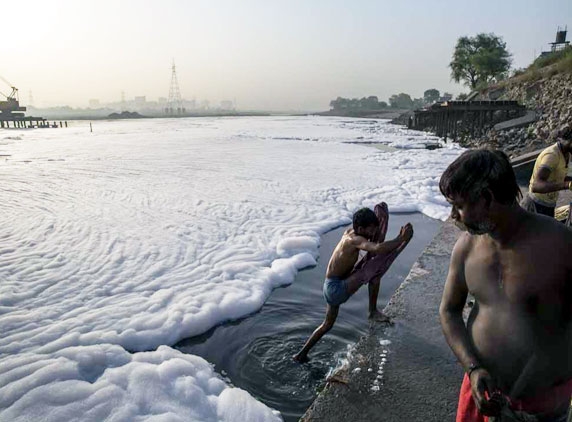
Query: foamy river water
pixel 117 244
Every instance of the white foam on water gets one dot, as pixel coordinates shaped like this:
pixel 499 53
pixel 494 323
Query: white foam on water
pixel 142 233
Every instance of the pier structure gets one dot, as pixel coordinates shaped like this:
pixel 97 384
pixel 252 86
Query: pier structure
pixel 12 113
pixel 451 118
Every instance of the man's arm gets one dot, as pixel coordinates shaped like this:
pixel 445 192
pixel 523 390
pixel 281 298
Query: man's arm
pixel 405 235
pixel 452 304
pixel 451 315
pixel 542 185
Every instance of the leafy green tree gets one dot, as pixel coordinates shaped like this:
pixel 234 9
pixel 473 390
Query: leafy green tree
pixel 401 100
pixel 431 95
pixel 338 104
pixel 462 96
pixel 479 60
pixel 365 103
pixel 369 103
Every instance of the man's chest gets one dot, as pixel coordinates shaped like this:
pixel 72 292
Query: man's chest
pixel 526 278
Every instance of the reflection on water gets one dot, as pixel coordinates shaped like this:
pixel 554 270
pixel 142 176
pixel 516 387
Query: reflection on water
pixel 255 353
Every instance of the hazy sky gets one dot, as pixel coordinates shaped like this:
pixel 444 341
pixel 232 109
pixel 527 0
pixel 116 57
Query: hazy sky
pixel 266 54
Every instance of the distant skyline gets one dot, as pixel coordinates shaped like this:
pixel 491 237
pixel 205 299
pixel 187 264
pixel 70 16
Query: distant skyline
pixel 266 55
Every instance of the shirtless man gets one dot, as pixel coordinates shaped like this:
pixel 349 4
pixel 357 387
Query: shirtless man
pixel 516 348
pixel 344 277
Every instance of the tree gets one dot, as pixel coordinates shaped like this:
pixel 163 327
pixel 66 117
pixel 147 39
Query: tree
pixel 369 103
pixel 479 60
pixel 365 103
pixel 340 103
pixel 431 95
pixel 401 100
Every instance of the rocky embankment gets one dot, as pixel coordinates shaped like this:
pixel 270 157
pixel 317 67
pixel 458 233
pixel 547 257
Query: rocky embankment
pixel 549 95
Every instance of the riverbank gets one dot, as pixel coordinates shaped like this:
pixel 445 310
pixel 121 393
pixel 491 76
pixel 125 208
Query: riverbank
pixel 112 114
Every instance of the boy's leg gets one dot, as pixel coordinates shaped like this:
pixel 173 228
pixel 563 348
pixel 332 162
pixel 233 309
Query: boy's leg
pixel 331 315
pixel 382 213
pixel 370 273
pixel 373 290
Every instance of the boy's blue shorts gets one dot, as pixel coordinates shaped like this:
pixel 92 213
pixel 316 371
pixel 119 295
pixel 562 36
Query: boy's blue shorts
pixel 335 291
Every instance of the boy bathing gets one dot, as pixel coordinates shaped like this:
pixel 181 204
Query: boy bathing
pixel 345 275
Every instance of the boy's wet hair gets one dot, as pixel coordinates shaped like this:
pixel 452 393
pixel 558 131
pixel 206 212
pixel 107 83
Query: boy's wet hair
pixel 364 217
pixel 477 171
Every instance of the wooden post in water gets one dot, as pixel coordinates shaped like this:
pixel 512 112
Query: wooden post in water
pixel 455 127
pixel 446 126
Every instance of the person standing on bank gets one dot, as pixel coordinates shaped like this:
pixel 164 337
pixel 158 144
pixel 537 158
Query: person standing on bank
pixel 550 175
pixel 516 346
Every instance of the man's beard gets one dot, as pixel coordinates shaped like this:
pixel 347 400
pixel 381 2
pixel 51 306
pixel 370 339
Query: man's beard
pixel 480 228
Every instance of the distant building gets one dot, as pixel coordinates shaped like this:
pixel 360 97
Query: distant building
pixel 190 104
pixel 140 101
pixel 94 103
pixel 162 100
pixel 446 97
pixel 560 43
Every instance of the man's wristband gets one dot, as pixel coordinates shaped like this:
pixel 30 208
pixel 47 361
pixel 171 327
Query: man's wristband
pixel 472 367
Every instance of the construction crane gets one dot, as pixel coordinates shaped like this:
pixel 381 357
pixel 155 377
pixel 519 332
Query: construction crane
pixel 12 103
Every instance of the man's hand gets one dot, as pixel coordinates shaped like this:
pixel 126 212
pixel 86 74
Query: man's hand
pixel 485 393
pixel 406 232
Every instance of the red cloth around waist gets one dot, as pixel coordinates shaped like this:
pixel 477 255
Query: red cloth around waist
pixel 544 401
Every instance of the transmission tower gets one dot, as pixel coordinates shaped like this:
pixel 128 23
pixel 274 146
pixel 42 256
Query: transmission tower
pixel 31 99
pixel 174 103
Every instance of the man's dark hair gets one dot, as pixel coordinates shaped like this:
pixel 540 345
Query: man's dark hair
pixel 476 171
pixel 364 217
pixel 564 132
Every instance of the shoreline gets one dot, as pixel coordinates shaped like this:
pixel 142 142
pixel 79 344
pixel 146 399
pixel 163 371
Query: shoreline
pixel 383 115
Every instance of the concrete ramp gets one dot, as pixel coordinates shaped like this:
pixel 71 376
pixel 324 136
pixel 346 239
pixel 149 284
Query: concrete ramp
pixel 525 159
pixel 528 118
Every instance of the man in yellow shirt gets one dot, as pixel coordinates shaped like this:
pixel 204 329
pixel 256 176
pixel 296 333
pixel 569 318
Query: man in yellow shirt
pixel 550 175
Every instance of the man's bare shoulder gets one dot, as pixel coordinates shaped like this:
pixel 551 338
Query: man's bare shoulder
pixel 548 229
pixel 463 246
